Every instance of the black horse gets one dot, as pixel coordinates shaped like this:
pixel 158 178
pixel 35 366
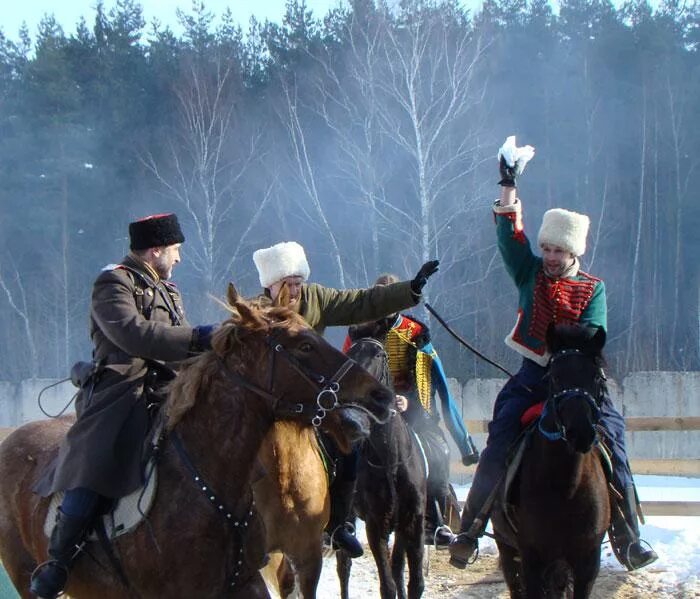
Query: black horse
pixel 559 503
pixel 391 490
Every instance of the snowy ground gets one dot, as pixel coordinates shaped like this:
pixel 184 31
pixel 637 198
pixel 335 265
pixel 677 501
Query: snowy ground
pixel 676 574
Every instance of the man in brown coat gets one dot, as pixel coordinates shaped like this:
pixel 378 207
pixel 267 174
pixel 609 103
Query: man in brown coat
pixel 137 326
pixel 321 307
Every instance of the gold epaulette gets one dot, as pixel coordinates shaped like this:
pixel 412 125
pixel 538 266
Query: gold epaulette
pixel 398 343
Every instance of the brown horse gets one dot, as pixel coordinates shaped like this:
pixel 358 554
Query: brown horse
pixel 204 537
pixel 560 505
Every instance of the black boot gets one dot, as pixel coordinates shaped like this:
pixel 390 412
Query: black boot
pixel 464 547
pixel 49 579
pixel 341 531
pixel 624 533
pixel 435 530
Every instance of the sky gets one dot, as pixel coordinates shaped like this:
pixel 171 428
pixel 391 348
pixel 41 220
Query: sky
pixel 67 12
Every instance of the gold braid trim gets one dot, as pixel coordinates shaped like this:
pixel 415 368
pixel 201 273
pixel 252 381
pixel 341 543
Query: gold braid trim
pixel 424 364
pixel 397 349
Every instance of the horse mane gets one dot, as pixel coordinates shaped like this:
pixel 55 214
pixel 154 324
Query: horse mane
pixel 237 342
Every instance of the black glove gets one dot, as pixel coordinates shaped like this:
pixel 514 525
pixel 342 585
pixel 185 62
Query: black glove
pixel 426 271
pixel 508 173
pixel 201 338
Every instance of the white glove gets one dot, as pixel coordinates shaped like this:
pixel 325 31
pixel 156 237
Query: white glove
pixel 512 161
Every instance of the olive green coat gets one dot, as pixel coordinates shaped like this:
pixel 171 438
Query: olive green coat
pixel 137 323
pixel 323 307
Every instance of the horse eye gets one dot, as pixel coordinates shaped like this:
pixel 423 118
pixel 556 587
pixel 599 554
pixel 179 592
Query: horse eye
pixel 306 347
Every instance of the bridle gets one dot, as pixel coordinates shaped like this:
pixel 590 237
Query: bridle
pixel 328 388
pixel 556 400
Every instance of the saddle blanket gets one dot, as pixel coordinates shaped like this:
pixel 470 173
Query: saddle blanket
pixel 126 515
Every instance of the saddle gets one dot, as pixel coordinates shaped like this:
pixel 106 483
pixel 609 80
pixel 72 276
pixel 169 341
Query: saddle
pixel 122 516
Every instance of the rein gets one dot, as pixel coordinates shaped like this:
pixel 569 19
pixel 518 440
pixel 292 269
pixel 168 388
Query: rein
pixel 470 347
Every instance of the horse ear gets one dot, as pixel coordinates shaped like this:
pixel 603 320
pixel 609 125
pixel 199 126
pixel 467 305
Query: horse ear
pixel 282 299
pixel 232 294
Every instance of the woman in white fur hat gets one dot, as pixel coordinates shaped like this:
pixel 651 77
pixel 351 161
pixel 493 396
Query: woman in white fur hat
pixel 321 307
pixel 551 289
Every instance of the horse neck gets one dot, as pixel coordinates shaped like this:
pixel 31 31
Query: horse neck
pixel 556 466
pixel 292 445
pixel 385 440
pixel 223 446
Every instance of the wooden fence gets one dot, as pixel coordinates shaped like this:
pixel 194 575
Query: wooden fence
pixel 661 467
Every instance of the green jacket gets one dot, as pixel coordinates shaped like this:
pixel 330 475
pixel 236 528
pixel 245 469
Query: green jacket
pixel 576 299
pixel 323 307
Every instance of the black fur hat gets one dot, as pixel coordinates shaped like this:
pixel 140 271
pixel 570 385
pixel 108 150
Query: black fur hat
pixel 155 231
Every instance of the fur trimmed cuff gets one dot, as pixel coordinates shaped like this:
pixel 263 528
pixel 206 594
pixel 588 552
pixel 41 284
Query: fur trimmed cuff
pixel 516 207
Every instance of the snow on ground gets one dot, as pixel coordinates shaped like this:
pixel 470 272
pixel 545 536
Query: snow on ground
pixel 676 573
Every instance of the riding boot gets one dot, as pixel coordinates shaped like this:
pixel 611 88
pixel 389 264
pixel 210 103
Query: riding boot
pixel 341 531
pixel 472 455
pixel 624 533
pixel 50 578
pixel 435 530
pixel 464 547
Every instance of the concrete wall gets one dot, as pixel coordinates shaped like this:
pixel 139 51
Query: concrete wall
pixel 641 394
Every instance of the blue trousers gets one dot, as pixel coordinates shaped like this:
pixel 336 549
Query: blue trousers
pixel 526 388
pixel 79 503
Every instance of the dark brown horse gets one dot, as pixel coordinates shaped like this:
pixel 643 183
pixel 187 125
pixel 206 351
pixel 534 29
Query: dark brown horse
pixel 560 505
pixel 204 537
pixel 391 492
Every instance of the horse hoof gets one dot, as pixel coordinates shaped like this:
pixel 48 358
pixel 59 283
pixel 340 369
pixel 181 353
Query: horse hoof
pixel 458 562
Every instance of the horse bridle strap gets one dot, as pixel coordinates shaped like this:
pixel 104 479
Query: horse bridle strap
pixel 281 408
pixel 239 526
pixel 562 396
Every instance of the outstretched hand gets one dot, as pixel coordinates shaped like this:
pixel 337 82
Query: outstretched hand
pixel 512 161
pixel 425 272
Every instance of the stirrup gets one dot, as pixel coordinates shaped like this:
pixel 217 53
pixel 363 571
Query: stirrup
pixel 446 529
pixel 650 560
pixel 464 539
pixel 48 589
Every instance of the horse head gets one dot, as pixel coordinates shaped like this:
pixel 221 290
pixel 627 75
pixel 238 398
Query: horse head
pixel 268 350
pixel 575 385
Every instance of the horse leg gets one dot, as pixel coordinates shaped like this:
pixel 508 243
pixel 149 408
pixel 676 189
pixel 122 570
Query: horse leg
pixel 398 559
pixel 309 570
pixel 415 550
pixel 343 567
pixel 585 572
pixel 286 580
pixel 511 569
pixel 533 576
pixel 379 544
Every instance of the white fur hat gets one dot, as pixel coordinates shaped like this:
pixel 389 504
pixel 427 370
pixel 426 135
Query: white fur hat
pixel 565 229
pixel 286 259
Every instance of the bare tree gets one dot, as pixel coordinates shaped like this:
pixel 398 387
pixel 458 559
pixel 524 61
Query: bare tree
pixel 205 165
pixel 16 295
